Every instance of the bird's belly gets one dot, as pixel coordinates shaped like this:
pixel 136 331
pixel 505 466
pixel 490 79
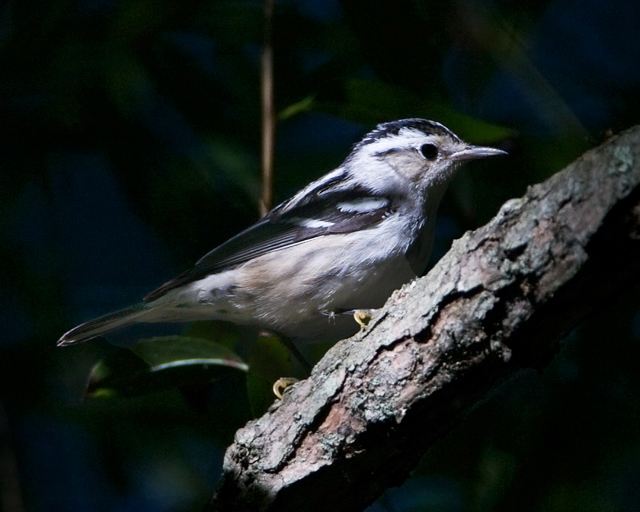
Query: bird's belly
pixel 300 294
pixel 331 317
pixel 302 299
pixel 370 289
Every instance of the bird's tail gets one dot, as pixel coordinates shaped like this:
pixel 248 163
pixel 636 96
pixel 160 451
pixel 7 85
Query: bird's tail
pixel 103 324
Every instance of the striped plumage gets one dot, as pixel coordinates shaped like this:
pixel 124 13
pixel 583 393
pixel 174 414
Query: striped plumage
pixel 344 242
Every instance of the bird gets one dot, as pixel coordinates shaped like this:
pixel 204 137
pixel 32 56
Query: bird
pixel 339 246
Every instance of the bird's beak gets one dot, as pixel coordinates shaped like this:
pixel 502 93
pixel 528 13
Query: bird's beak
pixel 474 152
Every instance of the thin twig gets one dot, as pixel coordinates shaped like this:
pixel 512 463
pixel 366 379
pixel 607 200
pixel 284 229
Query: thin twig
pixel 268 113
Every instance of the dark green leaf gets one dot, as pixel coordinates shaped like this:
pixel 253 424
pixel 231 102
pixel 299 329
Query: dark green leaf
pixel 299 107
pixel 269 360
pixel 161 362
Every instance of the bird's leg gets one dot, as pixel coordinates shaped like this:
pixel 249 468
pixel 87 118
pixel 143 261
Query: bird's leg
pixel 296 353
pixel 361 316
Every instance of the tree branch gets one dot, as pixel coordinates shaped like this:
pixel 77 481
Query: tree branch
pixel 498 301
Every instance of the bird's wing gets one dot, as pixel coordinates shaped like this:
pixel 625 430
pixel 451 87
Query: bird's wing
pixel 325 207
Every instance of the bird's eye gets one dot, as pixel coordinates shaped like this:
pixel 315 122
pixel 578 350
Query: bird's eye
pixel 429 151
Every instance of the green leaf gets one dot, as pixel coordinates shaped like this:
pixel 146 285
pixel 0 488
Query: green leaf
pixel 304 105
pixel 161 362
pixel 269 360
pixel 237 164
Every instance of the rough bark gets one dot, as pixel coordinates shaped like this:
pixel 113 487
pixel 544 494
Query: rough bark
pixel 498 301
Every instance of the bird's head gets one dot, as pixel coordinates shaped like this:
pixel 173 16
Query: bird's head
pixel 420 152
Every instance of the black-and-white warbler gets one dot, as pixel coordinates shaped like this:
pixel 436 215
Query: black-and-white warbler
pixel 342 243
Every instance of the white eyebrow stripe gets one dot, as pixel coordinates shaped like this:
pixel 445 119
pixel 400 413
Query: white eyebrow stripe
pixel 312 223
pixel 363 205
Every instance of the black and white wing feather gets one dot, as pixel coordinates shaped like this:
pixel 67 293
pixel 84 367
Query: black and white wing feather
pixel 327 206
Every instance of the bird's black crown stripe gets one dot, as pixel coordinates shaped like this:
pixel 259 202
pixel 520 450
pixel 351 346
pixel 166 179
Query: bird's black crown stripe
pixel 393 128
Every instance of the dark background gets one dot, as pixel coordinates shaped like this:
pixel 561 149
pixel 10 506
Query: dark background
pixel 129 146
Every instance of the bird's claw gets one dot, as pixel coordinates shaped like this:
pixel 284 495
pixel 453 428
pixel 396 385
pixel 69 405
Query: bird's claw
pixel 363 317
pixel 281 385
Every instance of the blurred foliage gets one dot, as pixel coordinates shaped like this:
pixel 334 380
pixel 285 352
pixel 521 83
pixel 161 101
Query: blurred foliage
pixel 269 360
pixel 130 147
pixel 161 362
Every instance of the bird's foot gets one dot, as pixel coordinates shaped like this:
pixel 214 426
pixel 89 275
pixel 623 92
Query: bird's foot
pixel 281 385
pixel 363 317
